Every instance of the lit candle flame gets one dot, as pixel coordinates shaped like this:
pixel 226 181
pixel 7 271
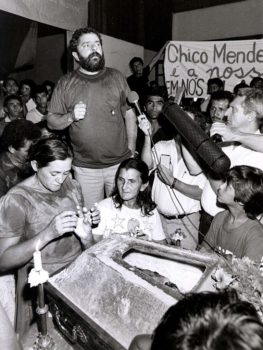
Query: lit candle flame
pixel 37 245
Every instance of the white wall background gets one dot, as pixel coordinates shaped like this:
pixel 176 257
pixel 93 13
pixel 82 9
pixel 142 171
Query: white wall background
pixel 119 52
pixel 238 19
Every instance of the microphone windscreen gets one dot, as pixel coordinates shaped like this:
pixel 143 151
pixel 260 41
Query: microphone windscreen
pixel 133 97
pixel 206 149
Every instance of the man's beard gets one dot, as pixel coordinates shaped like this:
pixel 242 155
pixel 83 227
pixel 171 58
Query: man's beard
pixel 92 66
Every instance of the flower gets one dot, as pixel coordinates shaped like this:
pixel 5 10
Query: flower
pixel 245 276
pixel 223 279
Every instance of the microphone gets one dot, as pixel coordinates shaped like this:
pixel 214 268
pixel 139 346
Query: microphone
pixel 133 99
pixel 205 148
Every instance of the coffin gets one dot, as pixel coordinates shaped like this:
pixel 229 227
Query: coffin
pixel 121 287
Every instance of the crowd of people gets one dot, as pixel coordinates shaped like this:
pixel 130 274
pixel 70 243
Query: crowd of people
pixel 78 165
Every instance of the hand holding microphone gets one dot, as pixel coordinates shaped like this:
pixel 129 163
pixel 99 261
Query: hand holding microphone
pixel 143 122
pixel 133 99
pixel 226 132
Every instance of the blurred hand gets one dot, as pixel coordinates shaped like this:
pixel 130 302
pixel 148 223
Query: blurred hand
pixel 228 133
pixel 95 215
pixel 79 111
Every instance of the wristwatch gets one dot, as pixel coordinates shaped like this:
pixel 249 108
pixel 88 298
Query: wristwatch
pixel 174 183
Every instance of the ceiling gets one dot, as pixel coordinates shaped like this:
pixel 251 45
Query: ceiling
pixel 188 5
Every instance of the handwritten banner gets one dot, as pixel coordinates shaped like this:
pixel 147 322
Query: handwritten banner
pixel 190 64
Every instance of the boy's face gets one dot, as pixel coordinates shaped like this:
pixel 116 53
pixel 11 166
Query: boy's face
pixel 226 194
pixel 41 99
pixel 137 69
pixel 21 153
pixel 218 110
pixel 25 90
pixel 11 87
pixel 14 109
pixel 153 106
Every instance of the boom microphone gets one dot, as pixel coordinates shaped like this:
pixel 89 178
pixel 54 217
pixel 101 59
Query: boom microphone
pixel 206 149
pixel 133 99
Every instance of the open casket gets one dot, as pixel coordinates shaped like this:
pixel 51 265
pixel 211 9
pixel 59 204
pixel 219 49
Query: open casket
pixel 121 287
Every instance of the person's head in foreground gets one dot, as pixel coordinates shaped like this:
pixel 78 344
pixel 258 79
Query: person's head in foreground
pixel 210 321
pixel 51 159
pixel 243 187
pixel 132 186
pixel 206 321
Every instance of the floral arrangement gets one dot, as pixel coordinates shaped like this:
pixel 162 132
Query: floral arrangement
pixel 245 276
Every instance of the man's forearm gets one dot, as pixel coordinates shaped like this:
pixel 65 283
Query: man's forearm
pixel 131 129
pixel 191 191
pixel 59 121
pixel 252 141
pixel 146 155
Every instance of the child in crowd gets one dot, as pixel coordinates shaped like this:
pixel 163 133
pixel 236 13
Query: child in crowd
pixel 13 108
pixel 237 229
pixel 38 113
pixel 27 87
pixel 50 85
pixel 10 87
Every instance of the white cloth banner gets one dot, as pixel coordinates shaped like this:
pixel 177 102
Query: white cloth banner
pixel 189 64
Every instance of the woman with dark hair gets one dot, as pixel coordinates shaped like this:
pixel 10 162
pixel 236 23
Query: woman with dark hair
pixel 130 209
pixel 237 229
pixel 44 210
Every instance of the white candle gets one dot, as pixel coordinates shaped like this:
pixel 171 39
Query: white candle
pixel 37 258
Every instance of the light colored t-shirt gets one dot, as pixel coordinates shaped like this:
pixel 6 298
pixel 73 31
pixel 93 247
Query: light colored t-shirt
pixel 122 220
pixel 34 116
pixel 172 202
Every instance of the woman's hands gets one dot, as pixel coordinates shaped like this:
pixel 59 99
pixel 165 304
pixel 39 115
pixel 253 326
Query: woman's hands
pixel 79 222
pixel 85 220
pixel 62 223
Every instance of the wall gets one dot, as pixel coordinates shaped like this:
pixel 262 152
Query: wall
pixel 50 51
pixel 219 22
pixel 119 52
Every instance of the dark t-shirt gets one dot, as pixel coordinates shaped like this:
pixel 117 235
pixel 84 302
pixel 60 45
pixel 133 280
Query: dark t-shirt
pixel 100 139
pixel 27 209
pixel 139 84
pixel 245 240
pixel 10 173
